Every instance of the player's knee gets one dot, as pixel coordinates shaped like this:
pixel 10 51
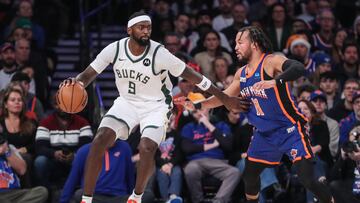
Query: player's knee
pixel 147 146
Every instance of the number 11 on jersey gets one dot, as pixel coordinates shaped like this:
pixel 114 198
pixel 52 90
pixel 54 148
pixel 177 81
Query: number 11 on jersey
pixel 259 111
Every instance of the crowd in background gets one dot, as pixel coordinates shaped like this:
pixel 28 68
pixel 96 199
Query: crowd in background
pixel 202 157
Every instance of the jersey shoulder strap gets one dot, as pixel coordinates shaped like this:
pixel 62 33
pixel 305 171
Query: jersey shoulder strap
pixel 116 53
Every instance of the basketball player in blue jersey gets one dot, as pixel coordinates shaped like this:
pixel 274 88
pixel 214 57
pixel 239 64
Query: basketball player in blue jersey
pixel 279 126
pixel 141 67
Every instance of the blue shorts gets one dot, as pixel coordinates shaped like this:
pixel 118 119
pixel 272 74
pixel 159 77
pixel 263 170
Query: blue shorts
pixel 269 147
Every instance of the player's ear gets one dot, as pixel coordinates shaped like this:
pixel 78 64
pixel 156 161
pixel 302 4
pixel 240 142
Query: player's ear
pixel 129 30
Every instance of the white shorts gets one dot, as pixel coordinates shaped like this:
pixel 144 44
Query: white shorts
pixel 152 116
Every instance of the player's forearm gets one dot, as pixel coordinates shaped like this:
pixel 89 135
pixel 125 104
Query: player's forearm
pixel 87 76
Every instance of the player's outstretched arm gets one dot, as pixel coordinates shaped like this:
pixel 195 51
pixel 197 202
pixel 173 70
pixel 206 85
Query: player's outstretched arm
pixel 281 69
pixel 85 77
pixel 228 98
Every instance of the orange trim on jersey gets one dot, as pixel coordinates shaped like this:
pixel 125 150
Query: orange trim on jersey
pixel 308 155
pixel 282 106
pixel 299 158
pixel 263 161
pixel 107 161
pixel 293 104
pixel 252 73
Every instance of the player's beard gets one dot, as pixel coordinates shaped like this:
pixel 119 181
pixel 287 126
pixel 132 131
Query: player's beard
pixel 142 41
pixel 246 56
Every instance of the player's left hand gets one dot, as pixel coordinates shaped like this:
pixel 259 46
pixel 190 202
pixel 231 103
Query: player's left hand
pixel 264 84
pixel 236 104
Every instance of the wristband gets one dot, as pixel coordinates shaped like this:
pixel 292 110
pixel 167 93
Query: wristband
pixel 86 199
pixel 205 84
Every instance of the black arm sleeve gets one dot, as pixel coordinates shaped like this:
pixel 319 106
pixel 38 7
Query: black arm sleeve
pixel 292 70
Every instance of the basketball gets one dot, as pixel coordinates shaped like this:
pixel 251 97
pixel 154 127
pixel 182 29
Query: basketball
pixel 72 98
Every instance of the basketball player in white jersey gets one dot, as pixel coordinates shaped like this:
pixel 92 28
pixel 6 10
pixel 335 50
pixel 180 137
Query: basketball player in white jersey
pixel 142 69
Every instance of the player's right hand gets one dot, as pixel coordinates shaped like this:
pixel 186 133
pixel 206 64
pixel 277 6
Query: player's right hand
pixel 237 104
pixel 68 81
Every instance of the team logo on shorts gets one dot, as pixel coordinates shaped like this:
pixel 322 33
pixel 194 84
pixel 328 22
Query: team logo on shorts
pixel 293 153
pixel 146 62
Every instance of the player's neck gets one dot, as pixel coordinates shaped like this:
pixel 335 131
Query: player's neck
pixel 254 60
pixel 135 48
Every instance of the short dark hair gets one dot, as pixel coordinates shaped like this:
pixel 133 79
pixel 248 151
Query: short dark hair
pixel 20 76
pixel 350 44
pixel 258 36
pixel 329 75
pixel 136 14
pixel 305 88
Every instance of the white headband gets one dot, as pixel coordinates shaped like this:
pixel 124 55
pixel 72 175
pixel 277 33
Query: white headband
pixel 138 19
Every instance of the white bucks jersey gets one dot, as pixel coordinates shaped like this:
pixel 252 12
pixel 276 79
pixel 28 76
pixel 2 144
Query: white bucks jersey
pixel 144 77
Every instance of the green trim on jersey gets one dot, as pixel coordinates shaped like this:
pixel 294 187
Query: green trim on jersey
pixel 153 60
pixel 149 126
pixel 118 119
pixel 141 58
pixel 117 53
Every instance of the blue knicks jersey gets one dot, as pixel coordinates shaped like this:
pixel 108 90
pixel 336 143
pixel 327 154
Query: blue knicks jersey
pixel 271 108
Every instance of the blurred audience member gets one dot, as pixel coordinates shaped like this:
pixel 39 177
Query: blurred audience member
pixel 348 123
pixel 350 64
pixel 204 145
pixel 239 14
pixel 18 129
pixel 304 92
pixel 224 19
pixel 221 69
pixel 116 179
pixel 336 52
pixel 329 84
pixel 344 107
pixel 324 37
pixel 279 27
pixel 58 137
pixel 318 99
pixel 211 42
pixel 12 165
pixel 168 163
pixel 35 109
pixel 8 65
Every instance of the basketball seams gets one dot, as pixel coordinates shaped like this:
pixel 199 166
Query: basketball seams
pixel 62 98
pixel 82 102
pixel 72 96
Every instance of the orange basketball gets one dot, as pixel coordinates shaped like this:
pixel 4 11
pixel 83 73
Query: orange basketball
pixel 72 98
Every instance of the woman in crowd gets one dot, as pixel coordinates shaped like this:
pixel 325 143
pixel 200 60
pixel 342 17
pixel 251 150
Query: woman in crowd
pixel 211 43
pixel 17 128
